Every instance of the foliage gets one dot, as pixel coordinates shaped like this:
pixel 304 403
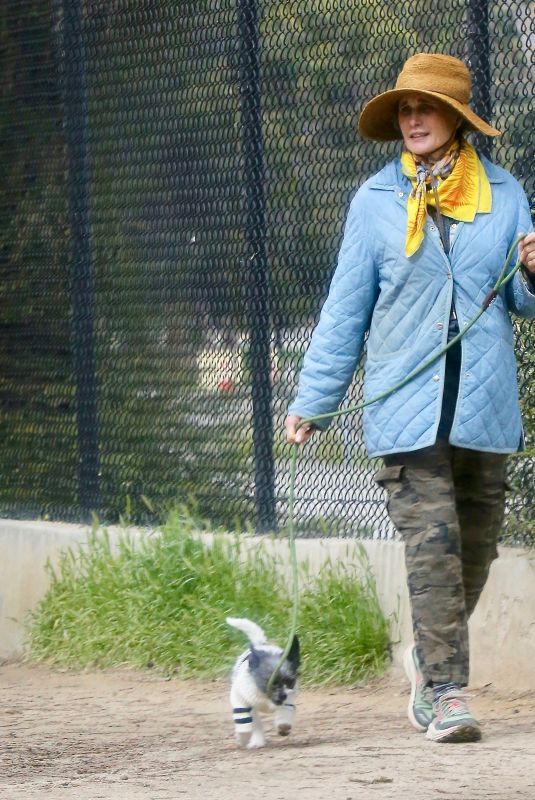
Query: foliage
pixel 162 602
pixel 168 219
pixel 37 425
pixel 345 633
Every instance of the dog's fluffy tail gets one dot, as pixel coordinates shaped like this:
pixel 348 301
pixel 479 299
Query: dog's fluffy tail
pixel 254 632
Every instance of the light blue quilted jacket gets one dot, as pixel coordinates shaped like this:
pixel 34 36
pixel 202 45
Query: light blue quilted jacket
pixel 405 303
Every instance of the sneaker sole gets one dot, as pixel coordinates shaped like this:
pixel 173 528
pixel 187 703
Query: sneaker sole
pixel 410 671
pixel 462 733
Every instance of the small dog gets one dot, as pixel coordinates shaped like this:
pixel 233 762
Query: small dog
pixel 249 686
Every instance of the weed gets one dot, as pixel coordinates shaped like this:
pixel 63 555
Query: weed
pixel 162 601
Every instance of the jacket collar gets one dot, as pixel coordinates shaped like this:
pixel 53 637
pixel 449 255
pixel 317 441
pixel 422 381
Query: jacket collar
pixel 392 177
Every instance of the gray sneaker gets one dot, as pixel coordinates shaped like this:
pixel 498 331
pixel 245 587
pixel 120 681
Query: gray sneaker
pixel 452 720
pixel 420 708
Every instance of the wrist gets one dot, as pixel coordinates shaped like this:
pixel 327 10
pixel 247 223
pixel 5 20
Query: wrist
pixel 528 275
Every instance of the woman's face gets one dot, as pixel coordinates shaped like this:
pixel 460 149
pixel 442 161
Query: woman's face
pixel 426 125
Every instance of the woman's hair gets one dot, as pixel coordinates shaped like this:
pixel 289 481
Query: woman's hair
pixel 464 128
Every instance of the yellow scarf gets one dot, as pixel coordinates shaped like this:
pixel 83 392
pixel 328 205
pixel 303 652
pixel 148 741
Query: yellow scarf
pixel 461 184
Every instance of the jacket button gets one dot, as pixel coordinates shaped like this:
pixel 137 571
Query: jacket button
pixel 436 377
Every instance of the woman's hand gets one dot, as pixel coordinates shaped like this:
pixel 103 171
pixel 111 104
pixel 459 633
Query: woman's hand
pixel 526 252
pixel 294 436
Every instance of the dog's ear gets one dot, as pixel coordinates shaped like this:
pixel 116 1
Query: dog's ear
pixel 294 654
pixel 254 659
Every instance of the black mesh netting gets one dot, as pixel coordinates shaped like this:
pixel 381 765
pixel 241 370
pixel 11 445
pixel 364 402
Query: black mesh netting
pixel 175 178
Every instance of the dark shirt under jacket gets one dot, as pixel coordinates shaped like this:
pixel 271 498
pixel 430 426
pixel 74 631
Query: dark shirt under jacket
pixel 453 356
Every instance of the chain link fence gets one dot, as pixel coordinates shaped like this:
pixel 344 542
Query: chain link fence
pixel 175 180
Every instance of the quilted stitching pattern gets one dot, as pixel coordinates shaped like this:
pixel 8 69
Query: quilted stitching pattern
pixel 410 301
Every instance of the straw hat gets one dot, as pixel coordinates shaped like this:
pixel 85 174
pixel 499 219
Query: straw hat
pixel 436 75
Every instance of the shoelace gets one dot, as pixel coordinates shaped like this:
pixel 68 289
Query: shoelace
pixel 452 704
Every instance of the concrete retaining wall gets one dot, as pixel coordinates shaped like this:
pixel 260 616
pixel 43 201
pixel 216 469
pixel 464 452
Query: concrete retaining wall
pixel 502 629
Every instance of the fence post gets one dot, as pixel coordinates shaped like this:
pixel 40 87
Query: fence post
pixel 255 263
pixel 81 269
pixel 477 57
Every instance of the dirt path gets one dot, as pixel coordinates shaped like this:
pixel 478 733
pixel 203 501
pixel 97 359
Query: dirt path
pixel 134 736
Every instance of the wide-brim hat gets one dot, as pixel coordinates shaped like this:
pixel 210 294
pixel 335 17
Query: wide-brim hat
pixel 443 77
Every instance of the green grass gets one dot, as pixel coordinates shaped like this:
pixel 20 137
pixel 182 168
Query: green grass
pixel 162 603
pixel 345 634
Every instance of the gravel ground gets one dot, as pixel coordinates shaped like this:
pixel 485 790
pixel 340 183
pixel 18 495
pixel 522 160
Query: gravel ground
pixel 136 736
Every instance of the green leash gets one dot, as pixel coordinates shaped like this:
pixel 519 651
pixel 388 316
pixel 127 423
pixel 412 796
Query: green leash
pixel 503 279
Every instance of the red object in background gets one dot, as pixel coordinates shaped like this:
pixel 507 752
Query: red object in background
pixel 226 386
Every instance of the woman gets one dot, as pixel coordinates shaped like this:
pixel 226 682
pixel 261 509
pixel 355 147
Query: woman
pixel 424 242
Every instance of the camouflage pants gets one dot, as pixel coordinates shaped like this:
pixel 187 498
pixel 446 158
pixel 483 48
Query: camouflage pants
pixel 448 505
